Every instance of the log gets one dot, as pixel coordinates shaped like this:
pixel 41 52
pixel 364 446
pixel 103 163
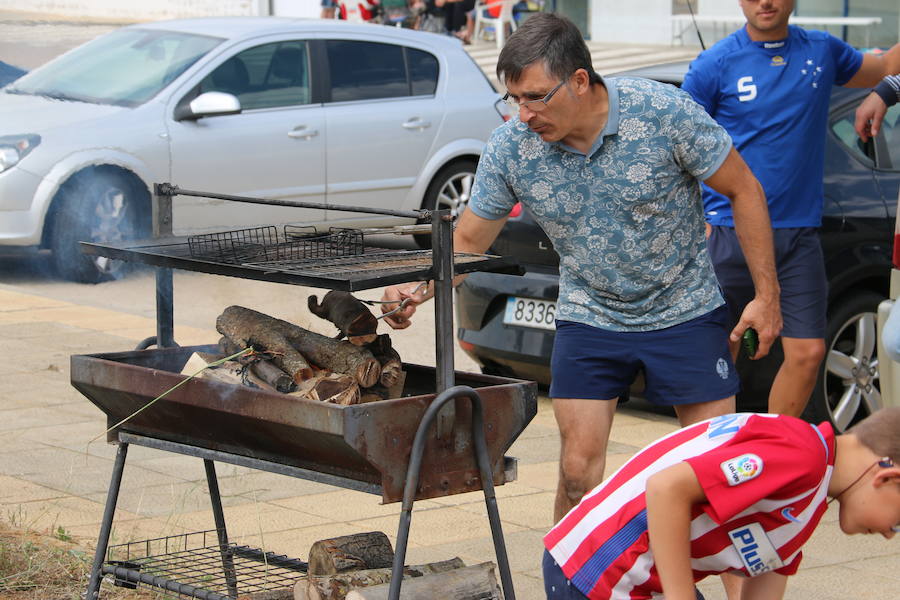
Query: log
pixel 263 369
pixel 228 372
pixel 388 358
pixel 337 586
pixel 478 582
pixel 370 550
pixel 348 314
pixel 334 355
pixel 336 388
pixel 243 328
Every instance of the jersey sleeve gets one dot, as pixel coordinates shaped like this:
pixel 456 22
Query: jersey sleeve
pixel 847 59
pixel 492 198
pixel 768 458
pixel 701 82
pixel 701 144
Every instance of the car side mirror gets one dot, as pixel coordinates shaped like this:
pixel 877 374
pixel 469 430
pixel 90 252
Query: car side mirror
pixel 209 104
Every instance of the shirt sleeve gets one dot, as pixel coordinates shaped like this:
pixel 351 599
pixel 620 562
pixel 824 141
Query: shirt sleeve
pixel 701 82
pixel 701 144
pixel 847 59
pixel 768 458
pixel 492 198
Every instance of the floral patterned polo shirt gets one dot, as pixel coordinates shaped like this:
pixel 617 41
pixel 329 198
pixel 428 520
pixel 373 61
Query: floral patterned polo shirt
pixel 627 218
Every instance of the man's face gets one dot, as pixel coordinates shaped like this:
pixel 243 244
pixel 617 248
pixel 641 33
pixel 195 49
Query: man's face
pixel 767 15
pixel 553 120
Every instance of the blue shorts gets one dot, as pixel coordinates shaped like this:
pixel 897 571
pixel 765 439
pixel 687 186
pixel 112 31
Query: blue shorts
pixel 329 3
pixel 557 587
pixel 801 275
pixel 683 364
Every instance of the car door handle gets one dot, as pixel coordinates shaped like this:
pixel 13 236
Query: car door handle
pixel 416 123
pixel 302 132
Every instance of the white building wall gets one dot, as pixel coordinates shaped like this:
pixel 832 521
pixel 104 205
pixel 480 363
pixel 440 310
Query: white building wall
pixel 631 21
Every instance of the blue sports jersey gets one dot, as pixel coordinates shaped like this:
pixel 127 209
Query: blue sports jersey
pixel 772 97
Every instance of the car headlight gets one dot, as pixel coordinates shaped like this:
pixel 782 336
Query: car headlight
pixel 14 148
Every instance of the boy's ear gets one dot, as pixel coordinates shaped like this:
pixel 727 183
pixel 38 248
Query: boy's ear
pixel 887 475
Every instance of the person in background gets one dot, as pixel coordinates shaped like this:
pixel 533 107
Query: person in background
pixel 739 493
pixel 329 8
pixel 609 168
pixel 768 84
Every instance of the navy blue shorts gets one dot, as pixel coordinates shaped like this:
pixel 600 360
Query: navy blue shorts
pixel 557 587
pixel 683 364
pixel 801 275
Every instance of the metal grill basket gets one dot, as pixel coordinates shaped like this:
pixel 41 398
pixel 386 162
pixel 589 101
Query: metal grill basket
pixel 261 245
pixel 195 565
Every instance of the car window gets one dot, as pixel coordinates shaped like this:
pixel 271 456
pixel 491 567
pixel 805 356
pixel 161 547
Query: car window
pixel 423 72
pixel 367 71
pixel 265 76
pixel 843 129
pixel 891 130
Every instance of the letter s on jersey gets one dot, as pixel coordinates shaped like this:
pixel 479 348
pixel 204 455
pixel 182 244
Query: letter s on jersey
pixel 746 85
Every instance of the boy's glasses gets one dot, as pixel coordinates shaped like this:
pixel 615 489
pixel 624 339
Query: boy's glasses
pixel 533 105
pixel 886 463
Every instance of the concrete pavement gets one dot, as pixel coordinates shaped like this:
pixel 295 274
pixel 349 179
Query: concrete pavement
pixel 52 476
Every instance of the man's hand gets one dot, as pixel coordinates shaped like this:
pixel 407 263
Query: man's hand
pixel 763 316
pixel 869 116
pixel 403 299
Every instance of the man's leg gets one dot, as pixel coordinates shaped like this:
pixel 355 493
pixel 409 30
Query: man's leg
pixel 584 427
pixel 796 378
pixel 688 414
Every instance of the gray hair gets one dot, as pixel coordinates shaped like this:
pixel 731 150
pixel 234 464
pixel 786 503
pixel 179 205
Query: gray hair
pixel 548 38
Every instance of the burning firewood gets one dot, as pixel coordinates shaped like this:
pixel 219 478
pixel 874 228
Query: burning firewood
pixel 249 327
pixel 348 314
pixel 263 369
pixel 391 363
pixel 242 326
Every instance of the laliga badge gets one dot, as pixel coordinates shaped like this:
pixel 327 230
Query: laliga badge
pixel 741 469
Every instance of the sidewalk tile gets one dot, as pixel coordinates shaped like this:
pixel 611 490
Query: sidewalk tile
pixel 16 491
pixel 348 505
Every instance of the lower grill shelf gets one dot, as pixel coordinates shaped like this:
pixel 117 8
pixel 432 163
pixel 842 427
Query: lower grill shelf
pixel 194 565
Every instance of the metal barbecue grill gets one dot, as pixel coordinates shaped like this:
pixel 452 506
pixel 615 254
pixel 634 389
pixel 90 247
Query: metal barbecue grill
pixel 386 448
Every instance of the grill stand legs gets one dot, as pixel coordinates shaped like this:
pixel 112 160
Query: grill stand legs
pixel 487 484
pixel 219 516
pixel 112 498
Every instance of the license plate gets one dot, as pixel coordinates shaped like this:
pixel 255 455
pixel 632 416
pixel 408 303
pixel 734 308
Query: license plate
pixel 530 312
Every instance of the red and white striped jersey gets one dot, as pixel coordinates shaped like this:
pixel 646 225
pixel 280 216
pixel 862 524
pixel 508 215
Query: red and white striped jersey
pixel 766 480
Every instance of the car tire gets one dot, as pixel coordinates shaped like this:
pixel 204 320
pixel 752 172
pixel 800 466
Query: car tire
pixel 450 189
pixel 847 389
pixel 98 206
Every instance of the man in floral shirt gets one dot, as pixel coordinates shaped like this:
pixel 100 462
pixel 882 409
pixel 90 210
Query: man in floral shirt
pixel 611 170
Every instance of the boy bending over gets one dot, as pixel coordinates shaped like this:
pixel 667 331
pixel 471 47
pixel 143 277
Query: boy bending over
pixel 739 493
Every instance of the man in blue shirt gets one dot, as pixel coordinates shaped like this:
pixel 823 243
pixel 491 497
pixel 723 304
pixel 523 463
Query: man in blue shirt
pixel 610 170
pixel 769 85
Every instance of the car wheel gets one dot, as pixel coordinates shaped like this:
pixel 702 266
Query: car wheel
pixel 97 206
pixel 848 388
pixel 449 190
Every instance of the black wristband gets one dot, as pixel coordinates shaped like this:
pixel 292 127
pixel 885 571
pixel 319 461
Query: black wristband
pixel 887 92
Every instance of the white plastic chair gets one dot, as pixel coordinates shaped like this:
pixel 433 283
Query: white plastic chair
pixel 498 23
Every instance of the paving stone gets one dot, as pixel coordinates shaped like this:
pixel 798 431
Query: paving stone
pixel 166 500
pixel 48 515
pixel 294 543
pixel 251 518
pixel 263 486
pixel 532 511
pixel 14 491
pixel 348 505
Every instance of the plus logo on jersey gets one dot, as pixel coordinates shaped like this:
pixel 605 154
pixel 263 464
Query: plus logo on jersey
pixel 812 71
pixel 741 469
pixel 756 550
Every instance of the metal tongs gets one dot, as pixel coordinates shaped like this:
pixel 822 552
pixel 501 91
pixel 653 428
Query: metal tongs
pixel 403 303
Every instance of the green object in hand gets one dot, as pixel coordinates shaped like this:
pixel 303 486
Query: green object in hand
pixel 750 341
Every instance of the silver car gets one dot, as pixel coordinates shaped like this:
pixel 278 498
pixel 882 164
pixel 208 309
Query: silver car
pixel 317 111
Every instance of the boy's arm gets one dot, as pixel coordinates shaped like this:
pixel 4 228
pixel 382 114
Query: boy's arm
pixel 671 496
pixel 768 586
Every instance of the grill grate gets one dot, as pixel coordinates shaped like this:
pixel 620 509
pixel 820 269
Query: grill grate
pixel 195 560
pixel 264 244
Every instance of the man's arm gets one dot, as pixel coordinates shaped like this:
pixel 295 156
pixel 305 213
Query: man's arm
pixel 754 230
pixel 473 234
pixel 871 112
pixel 671 496
pixel 874 68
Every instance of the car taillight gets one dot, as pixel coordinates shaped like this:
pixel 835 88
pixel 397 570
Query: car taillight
pixel 504 110
pixel 517 210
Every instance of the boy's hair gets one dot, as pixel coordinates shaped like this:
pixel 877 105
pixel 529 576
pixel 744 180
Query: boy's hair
pixel 880 432
pixel 548 38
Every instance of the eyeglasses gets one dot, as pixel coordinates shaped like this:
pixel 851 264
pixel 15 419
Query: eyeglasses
pixel 532 105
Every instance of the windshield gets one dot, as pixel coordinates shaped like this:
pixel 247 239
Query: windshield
pixel 126 67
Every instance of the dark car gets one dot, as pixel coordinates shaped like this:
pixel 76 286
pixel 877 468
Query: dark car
pixel 506 321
